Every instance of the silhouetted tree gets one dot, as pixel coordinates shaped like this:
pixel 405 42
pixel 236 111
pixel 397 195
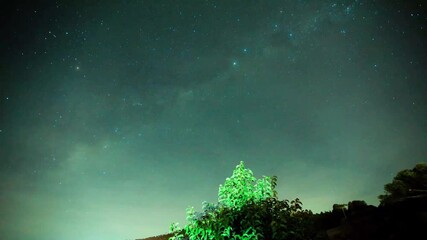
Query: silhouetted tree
pixel 408 182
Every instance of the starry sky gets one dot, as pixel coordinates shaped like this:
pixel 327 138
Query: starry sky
pixel 115 116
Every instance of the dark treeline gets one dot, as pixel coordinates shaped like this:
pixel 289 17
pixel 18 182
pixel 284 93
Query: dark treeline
pixel 401 214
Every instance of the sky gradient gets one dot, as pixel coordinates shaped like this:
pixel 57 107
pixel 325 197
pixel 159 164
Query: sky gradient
pixel 116 116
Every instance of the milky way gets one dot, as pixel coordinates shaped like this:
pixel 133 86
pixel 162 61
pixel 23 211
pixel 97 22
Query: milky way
pixel 116 116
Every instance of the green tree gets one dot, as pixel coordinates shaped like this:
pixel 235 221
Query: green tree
pixel 242 187
pixel 408 182
pixel 247 209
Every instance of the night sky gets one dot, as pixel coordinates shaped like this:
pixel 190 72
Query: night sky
pixel 115 116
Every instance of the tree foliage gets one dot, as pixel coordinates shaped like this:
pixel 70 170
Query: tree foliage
pixel 408 182
pixel 247 209
pixel 242 187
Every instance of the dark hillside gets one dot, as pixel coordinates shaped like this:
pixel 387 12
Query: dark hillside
pixel 404 219
pixel 159 237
